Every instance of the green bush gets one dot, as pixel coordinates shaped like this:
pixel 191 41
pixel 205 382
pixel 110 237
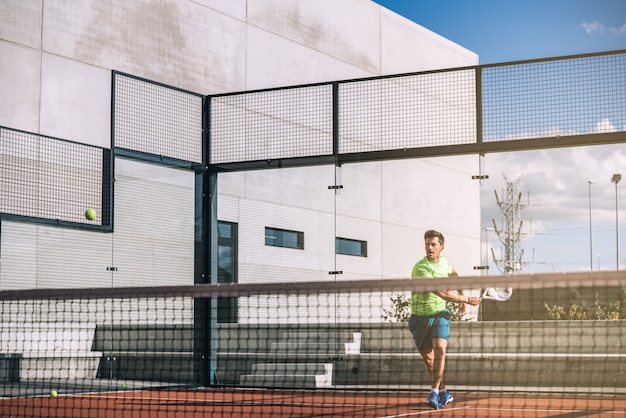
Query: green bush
pixel 401 309
pixel 581 310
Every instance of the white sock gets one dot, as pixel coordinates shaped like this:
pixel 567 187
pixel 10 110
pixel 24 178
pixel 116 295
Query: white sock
pixel 434 391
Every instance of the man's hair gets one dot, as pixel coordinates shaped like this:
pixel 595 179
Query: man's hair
pixel 431 233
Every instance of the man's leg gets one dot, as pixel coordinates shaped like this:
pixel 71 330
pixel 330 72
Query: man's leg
pixel 428 358
pixel 438 354
pixel 434 359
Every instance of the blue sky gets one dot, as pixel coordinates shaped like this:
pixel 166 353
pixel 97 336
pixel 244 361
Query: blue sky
pixel 512 30
pixel 554 183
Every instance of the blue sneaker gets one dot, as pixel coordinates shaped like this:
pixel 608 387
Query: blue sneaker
pixel 433 400
pixel 445 398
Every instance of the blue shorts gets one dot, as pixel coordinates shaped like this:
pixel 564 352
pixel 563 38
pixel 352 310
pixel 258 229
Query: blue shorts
pixel 425 328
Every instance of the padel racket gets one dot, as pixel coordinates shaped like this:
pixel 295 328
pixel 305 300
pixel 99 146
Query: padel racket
pixel 500 294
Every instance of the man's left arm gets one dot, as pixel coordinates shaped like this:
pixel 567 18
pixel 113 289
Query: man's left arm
pixel 452 296
pixel 456 296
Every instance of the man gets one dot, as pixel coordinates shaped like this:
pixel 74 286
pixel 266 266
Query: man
pixel 430 318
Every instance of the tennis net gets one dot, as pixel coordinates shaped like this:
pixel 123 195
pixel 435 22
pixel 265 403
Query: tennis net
pixel 336 348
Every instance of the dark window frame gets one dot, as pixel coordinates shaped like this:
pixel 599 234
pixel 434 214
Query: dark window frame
pixel 275 237
pixel 341 249
pixel 228 307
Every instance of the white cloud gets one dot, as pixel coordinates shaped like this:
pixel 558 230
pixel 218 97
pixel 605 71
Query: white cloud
pixel 592 28
pixel 554 131
pixel 618 31
pixel 556 182
pixel 597 28
pixel 604 126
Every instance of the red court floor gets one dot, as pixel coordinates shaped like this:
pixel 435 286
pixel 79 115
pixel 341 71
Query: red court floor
pixel 302 403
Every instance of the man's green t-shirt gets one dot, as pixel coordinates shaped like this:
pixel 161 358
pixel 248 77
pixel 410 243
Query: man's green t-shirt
pixel 428 303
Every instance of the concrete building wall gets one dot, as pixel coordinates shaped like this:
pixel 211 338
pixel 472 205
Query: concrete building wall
pixel 58 54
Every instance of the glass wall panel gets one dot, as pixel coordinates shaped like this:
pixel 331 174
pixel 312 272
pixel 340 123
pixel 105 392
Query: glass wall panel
pixel 554 210
pixel 153 241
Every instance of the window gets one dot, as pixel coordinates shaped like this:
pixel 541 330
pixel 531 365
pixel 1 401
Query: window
pixel 283 238
pixel 227 269
pixel 350 247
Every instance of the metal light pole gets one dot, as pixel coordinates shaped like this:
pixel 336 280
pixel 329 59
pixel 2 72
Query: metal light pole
pixel 615 179
pixel 590 182
pixel 486 260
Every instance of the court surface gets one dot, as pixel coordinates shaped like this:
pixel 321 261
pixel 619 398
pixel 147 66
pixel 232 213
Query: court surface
pixel 308 403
